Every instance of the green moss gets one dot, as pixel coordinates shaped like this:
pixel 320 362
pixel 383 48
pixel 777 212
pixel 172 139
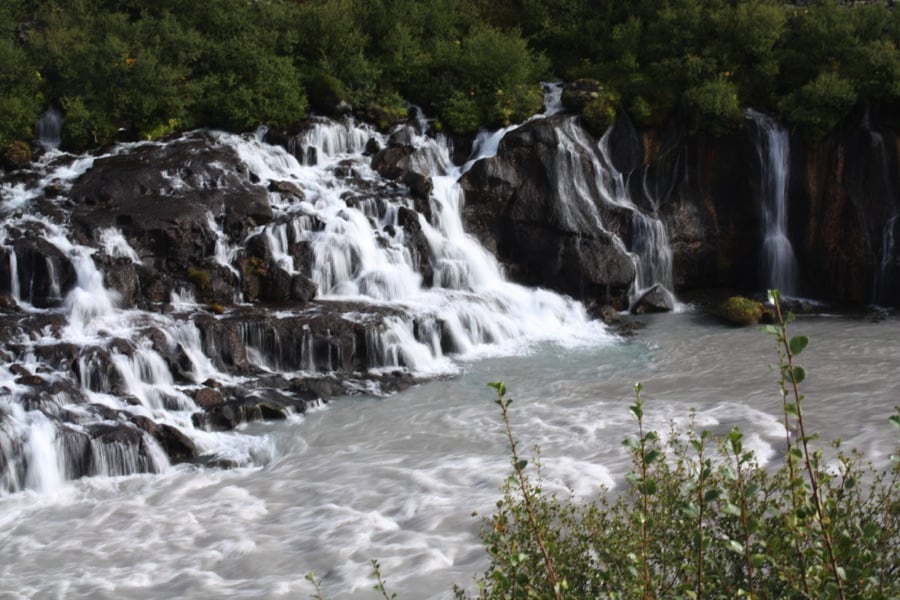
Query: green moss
pixel 200 278
pixel 327 93
pixel 385 112
pixel 739 310
pixel 18 154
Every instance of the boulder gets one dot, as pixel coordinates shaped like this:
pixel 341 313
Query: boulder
pixel 521 205
pixel 655 299
pixel 742 311
pixel 161 198
pixel 303 289
pixel 16 156
pixel 45 274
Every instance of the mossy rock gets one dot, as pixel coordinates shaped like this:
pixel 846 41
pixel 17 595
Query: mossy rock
pixel 17 155
pixel 384 117
pixel 742 311
pixel 578 94
pixel 329 95
pixel 200 278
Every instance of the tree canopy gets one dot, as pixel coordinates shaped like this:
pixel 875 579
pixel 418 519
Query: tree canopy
pixel 129 69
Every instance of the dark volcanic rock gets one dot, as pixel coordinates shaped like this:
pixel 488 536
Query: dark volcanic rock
pixel 517 204
pixel 263 404
pixel 655 299
pixel 161 197
pixel 417 244
pixel 44 273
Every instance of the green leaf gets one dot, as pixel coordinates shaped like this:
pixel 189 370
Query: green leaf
pixel 895 420
pixel 791 409
pixel 731 509
pixel 691 510
pixel 638 387
pixel 735 546
pixel 774 296
pixel 711 495
pixel 651 456
pixel 499 386
pixel 521 464
pixel 757 560
pixel 798 344
pixel 771 329
pixel 631 443
pixel 799 374
pixel 636 411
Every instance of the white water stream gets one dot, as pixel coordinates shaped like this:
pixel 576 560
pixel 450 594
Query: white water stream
pixel 397 479
pixel 773 153
pixel 394 479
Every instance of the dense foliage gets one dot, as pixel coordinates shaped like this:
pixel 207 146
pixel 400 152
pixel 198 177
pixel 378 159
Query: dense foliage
pixel 125 68
pixel 700 518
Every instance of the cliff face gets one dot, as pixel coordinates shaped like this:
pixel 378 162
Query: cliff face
pixel 841 200
pixel 719 199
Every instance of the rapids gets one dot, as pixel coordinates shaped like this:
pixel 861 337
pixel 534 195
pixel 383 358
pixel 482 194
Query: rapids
pixel 91 504
pixel 397 479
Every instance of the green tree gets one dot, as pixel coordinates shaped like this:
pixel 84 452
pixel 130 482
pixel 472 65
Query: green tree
pixel 21 99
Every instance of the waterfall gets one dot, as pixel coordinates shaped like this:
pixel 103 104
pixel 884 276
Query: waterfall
pixel 396 269
pixel 48 129
pixel 773 153
pixel 587 183
pixel 884 287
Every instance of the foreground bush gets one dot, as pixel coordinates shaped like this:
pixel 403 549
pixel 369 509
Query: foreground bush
pixel 701 518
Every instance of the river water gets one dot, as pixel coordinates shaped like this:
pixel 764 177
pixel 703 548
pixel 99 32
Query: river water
pixel 397 479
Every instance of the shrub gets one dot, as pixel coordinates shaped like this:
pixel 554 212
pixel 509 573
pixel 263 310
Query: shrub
pixel 715 105
pixel 700 518
pixel 598 114
pixel 819 105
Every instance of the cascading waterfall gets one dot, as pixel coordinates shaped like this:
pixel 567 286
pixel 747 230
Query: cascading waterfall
pixel 773 152
pixel 371 243
pixel 37 450
pixel 588 180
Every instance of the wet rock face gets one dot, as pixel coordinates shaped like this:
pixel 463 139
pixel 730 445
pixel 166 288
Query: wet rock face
pixel 162 196
pixel 44 274
pixel 845 202
pixel 514 206
pixel 705 193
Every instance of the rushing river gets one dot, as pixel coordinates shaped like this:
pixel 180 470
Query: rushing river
pixel 397 479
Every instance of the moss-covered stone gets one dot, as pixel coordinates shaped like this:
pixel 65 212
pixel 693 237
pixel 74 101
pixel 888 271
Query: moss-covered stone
pixel 329 95
pixel 385 112
pixel 739 310
pixel 17 155
pixel 200 278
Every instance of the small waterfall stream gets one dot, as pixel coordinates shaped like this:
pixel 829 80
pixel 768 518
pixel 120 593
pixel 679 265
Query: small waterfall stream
pixel 773 152
pixel 589 183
